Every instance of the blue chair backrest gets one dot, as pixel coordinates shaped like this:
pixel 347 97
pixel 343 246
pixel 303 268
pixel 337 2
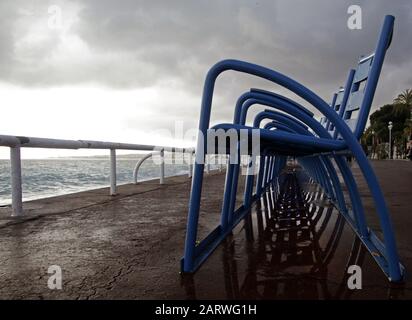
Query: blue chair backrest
pixel 339 99
pixel 324 122
pixel 365 80
pixel 357 95
pixel 336 105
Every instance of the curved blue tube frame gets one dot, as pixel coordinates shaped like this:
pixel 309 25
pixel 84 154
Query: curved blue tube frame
pixel 319 166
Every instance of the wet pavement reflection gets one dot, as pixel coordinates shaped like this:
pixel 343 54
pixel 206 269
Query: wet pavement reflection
pixel 295 245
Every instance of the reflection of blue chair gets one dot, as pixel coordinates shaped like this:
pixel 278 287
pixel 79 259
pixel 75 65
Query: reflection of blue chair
pixel 319 150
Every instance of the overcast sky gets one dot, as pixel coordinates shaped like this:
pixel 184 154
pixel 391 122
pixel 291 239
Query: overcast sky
pixel 116 70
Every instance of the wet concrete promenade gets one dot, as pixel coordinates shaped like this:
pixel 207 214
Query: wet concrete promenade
pixel 129 246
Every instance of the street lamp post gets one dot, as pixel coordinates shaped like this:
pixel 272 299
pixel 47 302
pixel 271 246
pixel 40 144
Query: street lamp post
pixel 373 145
pixel 390 126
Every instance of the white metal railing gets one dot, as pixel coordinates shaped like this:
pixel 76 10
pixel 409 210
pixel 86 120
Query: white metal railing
pixel 162 164
pixel 15 143
pixel 211 159
pixel 136 169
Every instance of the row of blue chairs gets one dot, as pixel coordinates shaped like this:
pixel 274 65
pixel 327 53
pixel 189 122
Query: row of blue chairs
pixel 320 148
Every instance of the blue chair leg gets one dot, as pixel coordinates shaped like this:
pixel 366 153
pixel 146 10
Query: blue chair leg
pixel 260 176
pixel 193 218
pixel 247 200
pixel 394 267
pixel 357 207
pixel 224 218
pixel 336 184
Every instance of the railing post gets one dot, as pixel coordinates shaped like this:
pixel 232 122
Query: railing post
pixel 190 163
pixel 207 159
pixel 162 166
pixel 16 181
pixel 113 177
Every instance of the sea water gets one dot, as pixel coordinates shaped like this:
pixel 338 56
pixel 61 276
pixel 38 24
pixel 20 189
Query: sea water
pixel 51 177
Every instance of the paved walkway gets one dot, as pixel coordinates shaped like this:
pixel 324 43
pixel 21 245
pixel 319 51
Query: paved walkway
pixel 129 247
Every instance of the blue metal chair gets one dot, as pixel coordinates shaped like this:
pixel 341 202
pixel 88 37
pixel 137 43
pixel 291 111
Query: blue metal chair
pixel 315 150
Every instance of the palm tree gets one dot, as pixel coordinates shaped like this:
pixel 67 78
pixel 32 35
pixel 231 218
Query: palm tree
pixel 403 101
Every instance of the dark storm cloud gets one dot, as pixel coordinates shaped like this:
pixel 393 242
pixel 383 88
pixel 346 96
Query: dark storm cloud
pixel 180 38
pixel 135 44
